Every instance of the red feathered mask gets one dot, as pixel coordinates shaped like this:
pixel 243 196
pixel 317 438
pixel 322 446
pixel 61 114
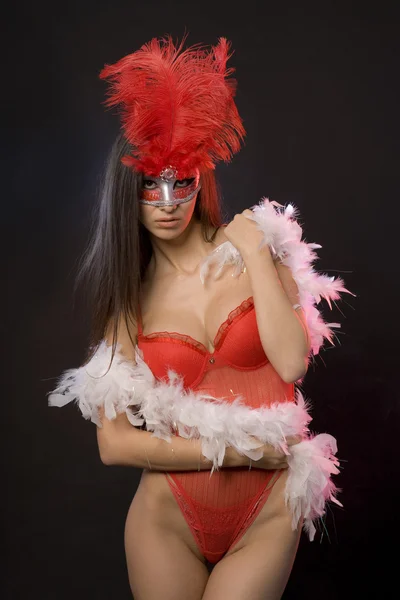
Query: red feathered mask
pixel 177 106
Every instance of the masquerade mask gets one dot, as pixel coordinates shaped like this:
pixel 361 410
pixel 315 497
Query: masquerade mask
pixel 167 190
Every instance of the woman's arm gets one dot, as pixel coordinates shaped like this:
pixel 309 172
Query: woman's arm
pixel 122 444
pixel 283 331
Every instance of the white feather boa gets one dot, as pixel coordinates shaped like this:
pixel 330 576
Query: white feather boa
pixel 282 233
pixel 165 406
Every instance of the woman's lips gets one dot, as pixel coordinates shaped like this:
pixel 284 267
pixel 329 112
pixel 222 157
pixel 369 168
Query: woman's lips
pixel 169 223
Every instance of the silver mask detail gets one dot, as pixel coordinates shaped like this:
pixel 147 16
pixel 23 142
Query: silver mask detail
pixel 165 194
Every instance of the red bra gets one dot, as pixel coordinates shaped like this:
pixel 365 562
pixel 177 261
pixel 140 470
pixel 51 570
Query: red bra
pixel 237 344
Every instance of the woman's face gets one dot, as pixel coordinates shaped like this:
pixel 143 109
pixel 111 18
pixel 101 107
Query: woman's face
pixel 167 206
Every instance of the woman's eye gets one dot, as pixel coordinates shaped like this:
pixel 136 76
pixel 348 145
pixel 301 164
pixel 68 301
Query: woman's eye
pixel 148 184
pixel 180 183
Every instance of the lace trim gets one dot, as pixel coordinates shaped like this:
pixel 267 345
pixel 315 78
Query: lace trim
pixel 187 339
pixel 243 308
pixel 167 335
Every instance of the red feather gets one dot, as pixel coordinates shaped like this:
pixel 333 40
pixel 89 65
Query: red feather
pixel 177 106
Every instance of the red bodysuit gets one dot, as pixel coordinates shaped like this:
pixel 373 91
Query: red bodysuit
pixel 219 509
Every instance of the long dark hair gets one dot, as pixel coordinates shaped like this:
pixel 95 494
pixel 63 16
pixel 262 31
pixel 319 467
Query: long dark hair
pixel 119 250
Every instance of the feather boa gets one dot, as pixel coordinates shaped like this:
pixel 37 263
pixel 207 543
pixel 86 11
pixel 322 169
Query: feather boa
pixel 165 406
pixel 282 233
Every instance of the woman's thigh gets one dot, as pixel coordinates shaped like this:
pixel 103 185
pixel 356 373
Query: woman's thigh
pixel 160 562
pixel 259 570
pixel 259 565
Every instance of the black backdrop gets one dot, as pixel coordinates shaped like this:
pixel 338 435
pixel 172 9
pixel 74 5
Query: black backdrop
pixel 318 92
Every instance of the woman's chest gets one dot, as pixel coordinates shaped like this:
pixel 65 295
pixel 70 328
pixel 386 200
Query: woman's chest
pixel 187 307
pixel 236 345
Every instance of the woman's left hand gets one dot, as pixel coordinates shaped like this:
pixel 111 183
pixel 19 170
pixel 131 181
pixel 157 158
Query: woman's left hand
pixel 242 232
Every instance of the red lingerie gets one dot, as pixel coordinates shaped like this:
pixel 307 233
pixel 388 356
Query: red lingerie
pixel 219 509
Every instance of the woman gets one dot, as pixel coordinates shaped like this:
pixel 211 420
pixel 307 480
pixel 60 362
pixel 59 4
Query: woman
pixel 200 333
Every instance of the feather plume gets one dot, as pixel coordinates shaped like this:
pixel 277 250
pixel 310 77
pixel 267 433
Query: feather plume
pixel 177 106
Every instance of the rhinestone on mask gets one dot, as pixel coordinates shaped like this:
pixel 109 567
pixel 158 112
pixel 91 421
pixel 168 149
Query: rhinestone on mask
pixel 168 173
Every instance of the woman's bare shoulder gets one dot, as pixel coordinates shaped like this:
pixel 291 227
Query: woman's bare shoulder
pixel 126 335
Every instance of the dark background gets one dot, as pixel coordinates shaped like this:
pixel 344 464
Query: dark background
pixel 319 96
